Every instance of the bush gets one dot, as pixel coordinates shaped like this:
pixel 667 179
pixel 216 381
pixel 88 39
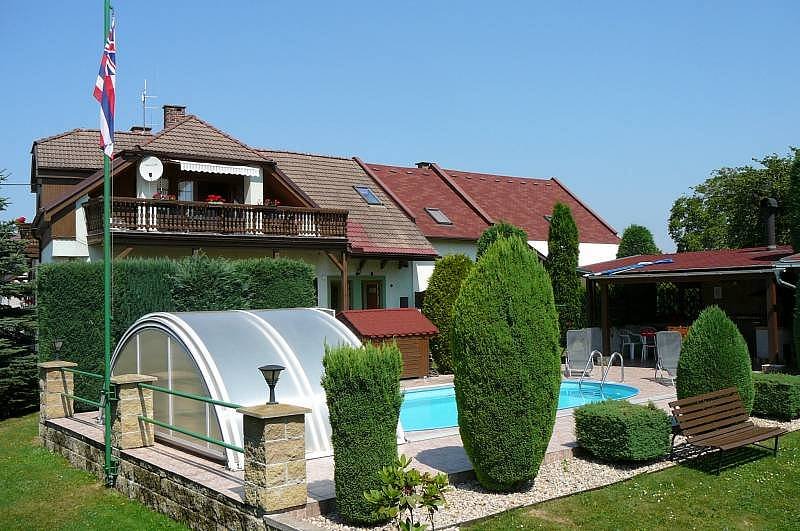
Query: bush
pixel 19 390
pixel 616 430
pixel 506 356
pixel 277 283
pixel 562 265
pixel 714 356
pixel 497 231
pixel 636 240
pixel 443 288
pixel 776 396
pixel 203 283
pixel 363 394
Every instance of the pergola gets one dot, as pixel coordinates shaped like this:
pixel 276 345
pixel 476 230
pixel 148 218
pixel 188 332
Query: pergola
pixel 746 283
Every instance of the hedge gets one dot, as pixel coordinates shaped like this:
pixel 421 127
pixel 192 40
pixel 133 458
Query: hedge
pixel 70 298
pixel 498 231
pixel 506 356
pixel 616 430
pixel 776 396
pixel 714 356
pixel 443 288
pixel 362 385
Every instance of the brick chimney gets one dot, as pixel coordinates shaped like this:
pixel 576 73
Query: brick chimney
pixel 173 114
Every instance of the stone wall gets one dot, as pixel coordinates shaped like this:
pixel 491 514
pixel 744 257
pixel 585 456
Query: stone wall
pixel 184 500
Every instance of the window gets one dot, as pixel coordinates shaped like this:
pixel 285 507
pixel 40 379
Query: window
pixel 367 195
pixel 186 191
pixel 438 216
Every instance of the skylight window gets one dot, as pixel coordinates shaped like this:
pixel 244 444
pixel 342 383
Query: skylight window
pixel 438 216
pixel 367 195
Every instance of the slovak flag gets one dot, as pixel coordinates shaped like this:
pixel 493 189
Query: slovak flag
pixel 104 92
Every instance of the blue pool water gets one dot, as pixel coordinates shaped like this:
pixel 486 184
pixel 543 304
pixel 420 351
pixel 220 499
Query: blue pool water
pixel 427 409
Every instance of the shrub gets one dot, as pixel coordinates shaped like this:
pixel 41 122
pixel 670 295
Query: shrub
pixel 443 288
pixel 363 394
pixel 714 356
pixel 776 396
pixel 497 231
pixel 617 430
pixel 504 340
pixel 19 390
pixel 203 283
pixel 277 283
pixel 795 355
pixel 562 265
pixel 636 240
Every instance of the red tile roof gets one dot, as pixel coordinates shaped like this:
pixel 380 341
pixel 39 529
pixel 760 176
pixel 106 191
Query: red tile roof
pixel 526 201
pixel 395 322
pixel 723 259
pixel 421 188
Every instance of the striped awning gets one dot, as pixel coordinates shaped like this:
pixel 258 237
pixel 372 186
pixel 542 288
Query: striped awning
pixel 206 167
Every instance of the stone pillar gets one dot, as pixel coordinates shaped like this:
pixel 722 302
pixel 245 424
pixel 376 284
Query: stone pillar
pixel 127 431
pixel 52 383
pixel 274 456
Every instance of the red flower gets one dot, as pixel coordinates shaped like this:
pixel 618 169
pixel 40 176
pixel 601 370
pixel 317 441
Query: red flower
pixel 20 219
pixel 214 198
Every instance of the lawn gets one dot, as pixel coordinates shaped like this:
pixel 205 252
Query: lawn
pixel 757 492
pixel 42 491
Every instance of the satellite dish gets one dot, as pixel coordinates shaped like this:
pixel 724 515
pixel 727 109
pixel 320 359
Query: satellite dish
pixel 151 169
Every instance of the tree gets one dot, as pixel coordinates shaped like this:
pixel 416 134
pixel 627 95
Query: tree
pixel 562 265
pixel 636 240
pixel 506 364
pixel 499 230
pixel 793 202
pixel 724 210
pixel 19 390
pixel 443 288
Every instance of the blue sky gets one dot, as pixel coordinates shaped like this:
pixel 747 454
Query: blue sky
pixel 629 103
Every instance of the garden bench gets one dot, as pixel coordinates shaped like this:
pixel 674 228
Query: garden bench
pixel 719 421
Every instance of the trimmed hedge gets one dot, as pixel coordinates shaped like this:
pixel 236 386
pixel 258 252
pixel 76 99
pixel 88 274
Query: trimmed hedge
pixel 443 288
pixel 776 396
pixel 616 430
pixel 504 340
pixel 70 298
pixel 363 394
pixel 714 356
pixel 500 230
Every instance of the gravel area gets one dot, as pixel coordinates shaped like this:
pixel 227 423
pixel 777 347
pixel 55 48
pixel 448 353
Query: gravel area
pixel 468 501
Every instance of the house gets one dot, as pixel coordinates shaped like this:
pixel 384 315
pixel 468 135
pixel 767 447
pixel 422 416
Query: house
pixel 668 290
pixel 370 235
pixel 452 208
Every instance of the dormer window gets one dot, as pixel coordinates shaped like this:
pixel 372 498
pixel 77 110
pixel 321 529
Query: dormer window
pixel 438 216
pixel 367 195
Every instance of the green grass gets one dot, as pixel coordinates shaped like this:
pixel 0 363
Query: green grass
pixel 39 490
pixel 760 493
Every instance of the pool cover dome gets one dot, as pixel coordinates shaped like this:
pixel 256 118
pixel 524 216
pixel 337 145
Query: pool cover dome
pixel 217 354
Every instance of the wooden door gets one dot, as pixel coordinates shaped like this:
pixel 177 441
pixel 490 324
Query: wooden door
pixel 371 294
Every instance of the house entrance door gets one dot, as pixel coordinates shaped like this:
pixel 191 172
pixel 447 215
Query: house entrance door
pixel 371 294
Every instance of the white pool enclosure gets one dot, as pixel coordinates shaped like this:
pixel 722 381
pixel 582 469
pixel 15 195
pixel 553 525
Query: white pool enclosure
pixel 217 354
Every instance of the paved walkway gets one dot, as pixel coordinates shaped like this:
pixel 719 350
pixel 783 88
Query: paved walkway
pixel 434 451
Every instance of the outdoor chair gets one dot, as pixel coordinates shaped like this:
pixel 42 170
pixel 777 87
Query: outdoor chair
pixel 648 337
pixel 718 421
pixel 669 351
pixel 629 341
pixel 579 353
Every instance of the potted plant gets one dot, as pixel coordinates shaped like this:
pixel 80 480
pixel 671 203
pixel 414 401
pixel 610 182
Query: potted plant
pixel 214 198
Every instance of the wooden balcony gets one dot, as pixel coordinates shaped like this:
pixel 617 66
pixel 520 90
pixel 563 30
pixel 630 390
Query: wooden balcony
pixel 198 222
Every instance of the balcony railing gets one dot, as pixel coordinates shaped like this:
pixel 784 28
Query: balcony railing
pixel 192 217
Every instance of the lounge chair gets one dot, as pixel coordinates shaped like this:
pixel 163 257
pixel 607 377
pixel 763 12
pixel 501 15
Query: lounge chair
pixel 579 353
pixel 669 350
pixel 719 421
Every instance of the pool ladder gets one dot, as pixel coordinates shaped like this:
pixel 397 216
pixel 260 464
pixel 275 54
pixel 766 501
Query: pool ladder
pixel 590 361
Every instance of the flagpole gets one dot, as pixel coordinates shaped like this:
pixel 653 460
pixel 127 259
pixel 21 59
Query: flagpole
pixel 109 468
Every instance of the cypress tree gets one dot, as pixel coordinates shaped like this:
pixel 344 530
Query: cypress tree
pixel 562 265
pixel 499 230
pixel 793 202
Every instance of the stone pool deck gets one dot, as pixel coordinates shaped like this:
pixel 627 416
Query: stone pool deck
pixel 433 450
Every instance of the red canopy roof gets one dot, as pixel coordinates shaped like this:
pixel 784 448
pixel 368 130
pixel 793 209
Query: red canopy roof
pixel 722 259
pixel 394 322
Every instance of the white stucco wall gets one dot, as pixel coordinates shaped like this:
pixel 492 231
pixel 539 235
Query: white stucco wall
pixel 588 253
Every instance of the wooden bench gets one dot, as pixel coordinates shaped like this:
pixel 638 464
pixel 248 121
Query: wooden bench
pixel 718 420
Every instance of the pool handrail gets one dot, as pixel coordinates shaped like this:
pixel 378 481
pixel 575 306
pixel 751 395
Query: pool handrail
pixel 608 368
pixel 590 361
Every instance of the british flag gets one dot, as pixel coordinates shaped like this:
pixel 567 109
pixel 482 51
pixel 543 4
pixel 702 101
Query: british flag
pixel 104 92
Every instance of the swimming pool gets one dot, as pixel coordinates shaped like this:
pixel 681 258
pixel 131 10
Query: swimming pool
pixel 431 408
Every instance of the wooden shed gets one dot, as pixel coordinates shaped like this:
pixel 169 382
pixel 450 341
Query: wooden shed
pixel 407 326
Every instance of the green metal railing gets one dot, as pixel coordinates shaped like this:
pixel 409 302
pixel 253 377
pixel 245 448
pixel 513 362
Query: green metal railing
pixel 184 431
pixel 95 403
pixel 82 373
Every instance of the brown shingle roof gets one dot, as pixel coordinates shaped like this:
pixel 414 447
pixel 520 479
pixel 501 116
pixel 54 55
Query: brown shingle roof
pixel 371 229
pixel 79 149
pixel 388 323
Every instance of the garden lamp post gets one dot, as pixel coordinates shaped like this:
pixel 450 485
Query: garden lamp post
pixel 271 373
pixel 57 344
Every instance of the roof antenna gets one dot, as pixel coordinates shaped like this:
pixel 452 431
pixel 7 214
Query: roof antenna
pixel 145 96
